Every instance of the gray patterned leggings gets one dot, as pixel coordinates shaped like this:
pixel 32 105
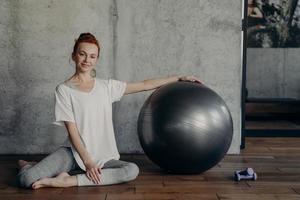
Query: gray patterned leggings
pixel 62 160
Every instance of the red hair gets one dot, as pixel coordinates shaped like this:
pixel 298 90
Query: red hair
pixel 86 37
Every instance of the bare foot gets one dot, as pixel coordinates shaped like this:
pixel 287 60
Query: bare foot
pixel 22 163
pixel 61 180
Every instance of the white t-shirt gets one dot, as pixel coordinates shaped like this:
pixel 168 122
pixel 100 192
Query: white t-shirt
pixel 92 113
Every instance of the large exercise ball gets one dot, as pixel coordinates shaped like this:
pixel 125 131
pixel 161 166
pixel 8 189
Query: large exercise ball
pixel 185 127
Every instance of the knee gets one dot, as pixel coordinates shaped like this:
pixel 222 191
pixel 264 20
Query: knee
pixel 132 171
pixel 25 179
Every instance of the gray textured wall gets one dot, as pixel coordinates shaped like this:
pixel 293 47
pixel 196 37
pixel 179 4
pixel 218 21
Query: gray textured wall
pixel 273 72
pixel 140 39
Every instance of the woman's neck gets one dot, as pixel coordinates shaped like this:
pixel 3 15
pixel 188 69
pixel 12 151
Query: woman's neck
pixel 83 77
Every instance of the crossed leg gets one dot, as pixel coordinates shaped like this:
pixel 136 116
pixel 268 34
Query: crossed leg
pixel 55 165
pixel 113 172
pixel 52 172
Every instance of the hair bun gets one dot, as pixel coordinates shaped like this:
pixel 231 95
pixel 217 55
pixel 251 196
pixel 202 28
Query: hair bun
pixel 86 35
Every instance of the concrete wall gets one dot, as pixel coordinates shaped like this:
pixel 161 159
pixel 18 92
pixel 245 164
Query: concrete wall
pixel 140 39
pixel 273 72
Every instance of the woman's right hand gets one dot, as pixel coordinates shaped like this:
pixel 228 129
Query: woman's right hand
pixel 93 171
pixel 190 78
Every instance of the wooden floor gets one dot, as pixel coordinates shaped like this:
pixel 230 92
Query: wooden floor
pixel 272 124
pixel 276 160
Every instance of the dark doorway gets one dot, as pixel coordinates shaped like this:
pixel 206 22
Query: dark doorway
pixel 270 83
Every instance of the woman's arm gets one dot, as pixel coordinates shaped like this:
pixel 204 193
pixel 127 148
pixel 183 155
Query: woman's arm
pixel 151 84
pixel 92 170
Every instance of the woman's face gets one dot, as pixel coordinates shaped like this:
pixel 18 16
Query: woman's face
pixel 86 56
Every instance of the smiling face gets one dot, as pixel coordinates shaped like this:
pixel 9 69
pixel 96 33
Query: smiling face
pixel 85 56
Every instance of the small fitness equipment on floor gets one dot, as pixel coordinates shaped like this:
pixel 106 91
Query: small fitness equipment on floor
pixel 247 174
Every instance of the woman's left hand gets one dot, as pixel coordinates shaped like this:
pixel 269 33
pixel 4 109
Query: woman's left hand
pixel 190 78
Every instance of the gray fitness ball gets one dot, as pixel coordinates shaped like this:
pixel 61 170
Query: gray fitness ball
pixel 185 128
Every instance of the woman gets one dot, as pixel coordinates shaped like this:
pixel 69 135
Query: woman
pixel 84 106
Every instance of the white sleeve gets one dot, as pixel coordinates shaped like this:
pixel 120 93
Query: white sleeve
pixel 63 107
pixel 116 89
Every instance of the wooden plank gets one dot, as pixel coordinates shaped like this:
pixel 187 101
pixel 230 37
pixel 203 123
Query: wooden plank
pixel 120 189
pixel 200 188
pixel 259 196
pixel 40 192
pixel 79 197
pixel 162 196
